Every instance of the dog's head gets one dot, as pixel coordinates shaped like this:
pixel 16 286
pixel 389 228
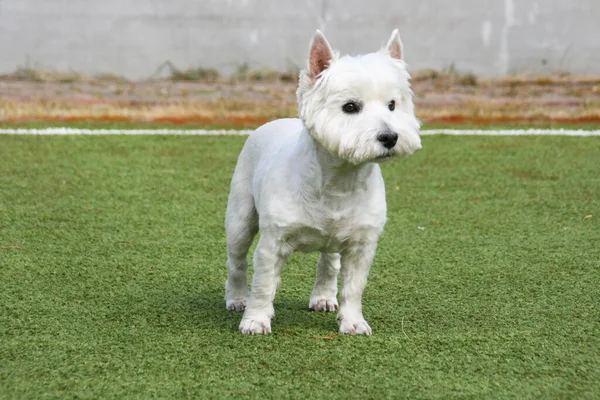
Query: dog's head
pixel 359 108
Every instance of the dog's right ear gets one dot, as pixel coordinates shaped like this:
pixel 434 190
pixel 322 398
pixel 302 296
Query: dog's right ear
pixel 320 55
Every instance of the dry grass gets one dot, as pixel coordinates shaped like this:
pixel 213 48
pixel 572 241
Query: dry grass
pixel 26 74
pixel 249 98
pixel 247 113
pixel 214 112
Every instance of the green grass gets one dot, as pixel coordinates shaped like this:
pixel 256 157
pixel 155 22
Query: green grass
pixel 112 264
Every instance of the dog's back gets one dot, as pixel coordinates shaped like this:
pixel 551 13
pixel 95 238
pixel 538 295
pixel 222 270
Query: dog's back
pixel 265 143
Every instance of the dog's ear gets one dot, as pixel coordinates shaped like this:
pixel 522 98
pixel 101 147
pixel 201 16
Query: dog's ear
pixel 319 56
pixel 394 46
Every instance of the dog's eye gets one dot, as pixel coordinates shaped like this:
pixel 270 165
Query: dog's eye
pixel 392 105
pixel 350 108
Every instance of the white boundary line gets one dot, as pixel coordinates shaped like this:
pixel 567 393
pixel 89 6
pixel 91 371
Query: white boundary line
pixel 218 132
pixel 512 132
pixel 77 131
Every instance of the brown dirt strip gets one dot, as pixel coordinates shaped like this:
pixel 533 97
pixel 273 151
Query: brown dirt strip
pixel 449 99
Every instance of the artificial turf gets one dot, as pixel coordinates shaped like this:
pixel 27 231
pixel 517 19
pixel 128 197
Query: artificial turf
pixel 486 282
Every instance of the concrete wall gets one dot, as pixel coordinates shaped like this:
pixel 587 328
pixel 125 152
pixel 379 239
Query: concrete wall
pixel 133 37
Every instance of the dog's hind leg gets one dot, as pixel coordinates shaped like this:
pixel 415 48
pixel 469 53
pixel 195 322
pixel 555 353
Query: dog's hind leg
pixel 323 297
pixel 241 225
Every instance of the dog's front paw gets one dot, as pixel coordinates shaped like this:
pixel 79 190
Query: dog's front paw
pixel 255 327
pixel 354 327
pixel 323 304
pixel 235 305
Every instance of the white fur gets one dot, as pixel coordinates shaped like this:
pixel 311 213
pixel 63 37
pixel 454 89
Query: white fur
pixel 314 184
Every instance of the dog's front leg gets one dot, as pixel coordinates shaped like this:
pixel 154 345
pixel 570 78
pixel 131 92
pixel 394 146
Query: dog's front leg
pixel 356 262
pixel 324 291
pixel 268 262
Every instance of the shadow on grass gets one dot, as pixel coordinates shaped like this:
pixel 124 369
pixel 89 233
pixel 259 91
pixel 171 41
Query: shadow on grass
pixel 206 311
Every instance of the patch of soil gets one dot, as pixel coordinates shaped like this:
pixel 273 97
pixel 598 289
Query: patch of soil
pixel 448 99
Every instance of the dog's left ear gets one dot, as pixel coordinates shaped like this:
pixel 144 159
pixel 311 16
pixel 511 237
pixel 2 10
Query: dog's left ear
pixel 394 46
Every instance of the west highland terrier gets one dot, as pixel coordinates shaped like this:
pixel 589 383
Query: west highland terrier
pixel 314 183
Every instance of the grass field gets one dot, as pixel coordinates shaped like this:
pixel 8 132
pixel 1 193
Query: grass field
pixel 112 262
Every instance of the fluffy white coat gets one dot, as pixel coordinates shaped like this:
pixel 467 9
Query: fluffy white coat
pixel 314 183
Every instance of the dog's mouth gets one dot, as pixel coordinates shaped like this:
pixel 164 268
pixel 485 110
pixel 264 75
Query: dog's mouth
pixel 385 155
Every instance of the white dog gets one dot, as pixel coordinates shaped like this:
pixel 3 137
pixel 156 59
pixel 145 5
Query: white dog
pixel 314 183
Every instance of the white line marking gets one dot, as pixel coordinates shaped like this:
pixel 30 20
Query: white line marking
pixel 77 131
pixel 218 132
pixel 512 132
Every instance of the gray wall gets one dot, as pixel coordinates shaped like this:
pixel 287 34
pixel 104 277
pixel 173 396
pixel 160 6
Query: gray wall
pixel 133 37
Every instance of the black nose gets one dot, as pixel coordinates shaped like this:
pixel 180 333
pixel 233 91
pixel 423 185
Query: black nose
pixel 388 139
